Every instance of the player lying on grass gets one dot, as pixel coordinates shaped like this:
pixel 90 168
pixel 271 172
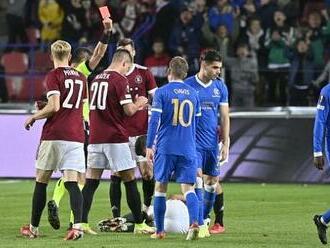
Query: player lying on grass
pixel 176 219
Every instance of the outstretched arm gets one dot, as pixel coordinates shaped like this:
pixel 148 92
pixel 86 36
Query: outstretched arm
pixel 102 45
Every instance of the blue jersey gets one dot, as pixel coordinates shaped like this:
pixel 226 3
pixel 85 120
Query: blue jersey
pixel 322 122
pixel 211 96
pixel 174 108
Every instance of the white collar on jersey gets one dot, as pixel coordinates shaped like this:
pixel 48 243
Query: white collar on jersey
pixel 201 83
pixel 131 70
pixel 176 81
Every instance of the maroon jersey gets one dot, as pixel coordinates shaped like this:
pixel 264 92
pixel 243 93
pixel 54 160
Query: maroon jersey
pixel 108 93
pixel 67 123
pixel 141 82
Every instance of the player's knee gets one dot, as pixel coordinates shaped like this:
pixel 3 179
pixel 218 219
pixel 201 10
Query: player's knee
pixel 199 183
pixel 128 175
pixel 147 175
pixel 210 188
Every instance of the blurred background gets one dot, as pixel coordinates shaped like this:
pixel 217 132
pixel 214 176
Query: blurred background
pixel 275 55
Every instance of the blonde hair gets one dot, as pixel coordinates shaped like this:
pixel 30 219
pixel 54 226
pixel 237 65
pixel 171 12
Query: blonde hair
pixel 178 67
pixel 60 50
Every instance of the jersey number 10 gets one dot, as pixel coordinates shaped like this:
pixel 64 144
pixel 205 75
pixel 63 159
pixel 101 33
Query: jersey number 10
pixel 179 111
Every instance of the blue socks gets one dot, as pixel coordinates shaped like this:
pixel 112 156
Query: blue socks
pixel 200 197
pixel 192 205
pixel 209 198
pixel 326 217
pixel 159 210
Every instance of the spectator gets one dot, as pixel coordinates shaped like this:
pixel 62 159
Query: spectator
pixel 266 10
pixel 51 17
pixel 244 77
pixel 15 22
pixel 220 40
pixel 254 36
pixel 300 75
pixel 316 35
pixel 222 14
pixel 286 32
pixel 158 62
pixel 185 39
pixel 74 24
pixel 278 65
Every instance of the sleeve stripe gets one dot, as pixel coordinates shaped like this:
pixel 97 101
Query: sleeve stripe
pixel 224 103
pixel 199 114
pixel 53 92
pixel 125 101
pixel 156 110
pixel 152 91
pixel 128 96
pixel 317 154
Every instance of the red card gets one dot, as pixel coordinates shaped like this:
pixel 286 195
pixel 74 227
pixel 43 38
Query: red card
pixel 104 12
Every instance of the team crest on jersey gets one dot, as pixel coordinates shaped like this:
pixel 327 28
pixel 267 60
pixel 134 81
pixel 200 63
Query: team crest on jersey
pixel 216 92
pixel 138 79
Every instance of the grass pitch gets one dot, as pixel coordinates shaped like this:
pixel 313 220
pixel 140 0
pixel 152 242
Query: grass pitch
pixel 256 215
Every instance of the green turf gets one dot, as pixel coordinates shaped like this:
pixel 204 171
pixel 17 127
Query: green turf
pixel 256 215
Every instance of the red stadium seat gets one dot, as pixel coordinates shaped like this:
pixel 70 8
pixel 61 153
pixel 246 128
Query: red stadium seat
pixel 24 89
pixel 42 62
pixel 15 62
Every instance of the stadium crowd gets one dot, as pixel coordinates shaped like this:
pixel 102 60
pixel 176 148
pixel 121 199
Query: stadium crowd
pixel 274 51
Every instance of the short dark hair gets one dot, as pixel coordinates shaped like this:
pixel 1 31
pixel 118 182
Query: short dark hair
pixel 140 145
pixel 178 67
pixel 77 56
pixel 210 56
pixel 124 42
pixel 122 54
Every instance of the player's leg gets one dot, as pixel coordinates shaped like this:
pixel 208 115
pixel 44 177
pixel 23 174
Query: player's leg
pixel 59 192
pixel 54 204
pixel 115 194
pixel 211 173
pixel 38 203
pixel 120 156
pixel 81 183
pixel 148 183
pixel 321 222
pixel 218 208
pixel 96 163
pixel 146 170
pixel 70 178
pixel 93 176
pixel 186 173
pixel 159 209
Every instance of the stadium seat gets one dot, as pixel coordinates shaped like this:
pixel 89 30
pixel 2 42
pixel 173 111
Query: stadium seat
pixel 15 62
pixel 24 89
pixel 42 62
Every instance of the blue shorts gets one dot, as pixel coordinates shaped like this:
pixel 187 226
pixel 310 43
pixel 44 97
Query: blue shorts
pixel 207 160
pixel 184 168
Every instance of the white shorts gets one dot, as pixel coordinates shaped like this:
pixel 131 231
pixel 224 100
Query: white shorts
pixel 111 156
pixel 61 155
pixel 137 158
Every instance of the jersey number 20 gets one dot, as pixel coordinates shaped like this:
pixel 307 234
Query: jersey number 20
pixel 99 97
pixel 178 116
